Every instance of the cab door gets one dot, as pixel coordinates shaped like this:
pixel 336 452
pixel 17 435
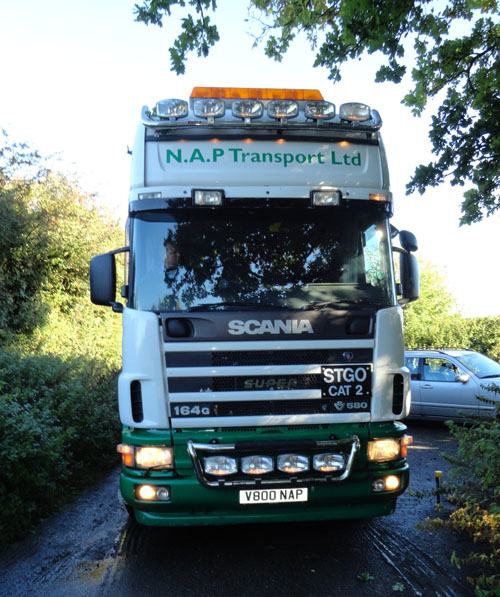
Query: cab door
pixel 441 394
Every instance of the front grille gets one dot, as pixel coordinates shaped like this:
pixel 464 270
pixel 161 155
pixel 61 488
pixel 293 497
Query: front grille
pixel 291 386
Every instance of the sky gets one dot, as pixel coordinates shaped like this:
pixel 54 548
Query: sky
pixel 76 73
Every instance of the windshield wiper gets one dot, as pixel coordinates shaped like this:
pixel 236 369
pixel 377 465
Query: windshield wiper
pixel 239 305
pixel 490 376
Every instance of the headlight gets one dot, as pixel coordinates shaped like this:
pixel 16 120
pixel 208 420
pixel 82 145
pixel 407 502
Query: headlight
pixel 380 450
pixel 147 456
pixel 154 457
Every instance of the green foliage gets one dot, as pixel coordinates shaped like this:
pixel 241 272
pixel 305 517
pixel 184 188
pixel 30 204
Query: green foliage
pixel 49 230
pixel 475 493
pixel 23 241
pixel 430 320
pixel 484 335
pixel 365 577
pixel 433 321
pixel 198 34
pixel 58 429
pixel 455 57
pixel 58 353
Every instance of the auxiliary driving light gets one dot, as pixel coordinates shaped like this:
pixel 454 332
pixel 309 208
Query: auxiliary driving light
pixel 257 465
pixel 328 463
pixel 247 109
pixel 355 112
pixel 282 109
pixel 220 465
pixel 209 108
pixel 326 198
pixel 152 493
pixel 392 482
pixel 389 483
pixel 293 463
pixel 319 110
pixel 207 198
pixel 172 108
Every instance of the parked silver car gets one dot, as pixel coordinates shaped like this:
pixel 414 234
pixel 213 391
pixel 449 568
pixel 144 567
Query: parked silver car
pixel 445 383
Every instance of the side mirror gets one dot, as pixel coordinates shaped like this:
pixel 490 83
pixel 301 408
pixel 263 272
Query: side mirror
pixel 408 241
pixel 463 377
pixel 103 281
pixel 410 277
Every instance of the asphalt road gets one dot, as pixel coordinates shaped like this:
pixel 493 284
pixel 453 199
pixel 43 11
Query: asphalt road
pixel 92 548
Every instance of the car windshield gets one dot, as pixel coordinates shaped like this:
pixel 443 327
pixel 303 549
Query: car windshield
pixel 480 365
pixel 198 259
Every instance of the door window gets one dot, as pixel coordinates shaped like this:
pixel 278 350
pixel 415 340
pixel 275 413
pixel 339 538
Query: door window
pixel 413 365
pixel 439 369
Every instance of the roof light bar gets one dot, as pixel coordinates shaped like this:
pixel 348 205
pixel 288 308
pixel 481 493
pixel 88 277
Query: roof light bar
pixel 319 110
pixel 172 108
pixel 355 112
pixel 209 108
pixel 281 105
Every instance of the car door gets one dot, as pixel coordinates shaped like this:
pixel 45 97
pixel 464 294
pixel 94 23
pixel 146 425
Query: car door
pixel 441 394
pixel 413 364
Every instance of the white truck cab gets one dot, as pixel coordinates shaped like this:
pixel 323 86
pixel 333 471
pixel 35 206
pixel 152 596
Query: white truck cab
pixel 263 353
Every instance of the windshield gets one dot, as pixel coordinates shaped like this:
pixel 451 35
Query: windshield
pixel 288 259
pixel 480 365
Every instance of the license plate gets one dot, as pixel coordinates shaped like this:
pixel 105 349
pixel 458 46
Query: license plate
pixel 346 382
pixel 273 496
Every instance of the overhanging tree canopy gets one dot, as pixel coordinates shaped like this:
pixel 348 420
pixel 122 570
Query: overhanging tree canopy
pixel 456 47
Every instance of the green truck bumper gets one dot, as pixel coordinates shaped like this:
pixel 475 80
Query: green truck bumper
pixel 191 503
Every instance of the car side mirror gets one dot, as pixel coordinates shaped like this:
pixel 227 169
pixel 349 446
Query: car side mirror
pixel 463 377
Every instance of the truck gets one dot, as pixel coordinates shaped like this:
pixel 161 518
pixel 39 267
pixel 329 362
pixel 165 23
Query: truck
pixel 263 375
